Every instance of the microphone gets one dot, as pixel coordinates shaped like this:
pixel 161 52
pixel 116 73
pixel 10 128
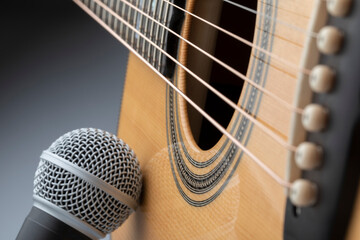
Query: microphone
pixel 86 185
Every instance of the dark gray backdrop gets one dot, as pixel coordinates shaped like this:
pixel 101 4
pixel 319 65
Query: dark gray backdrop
pixel 59 70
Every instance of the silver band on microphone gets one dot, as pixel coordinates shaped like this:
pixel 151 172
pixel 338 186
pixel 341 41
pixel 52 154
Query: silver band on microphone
pixel 88 177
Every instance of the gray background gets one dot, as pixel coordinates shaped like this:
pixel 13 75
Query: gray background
pixel 59 70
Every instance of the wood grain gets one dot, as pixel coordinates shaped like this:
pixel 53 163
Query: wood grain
pixel 252 205
pixel 354 227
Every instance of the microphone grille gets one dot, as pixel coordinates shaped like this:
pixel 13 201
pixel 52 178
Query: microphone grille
pixel 101 154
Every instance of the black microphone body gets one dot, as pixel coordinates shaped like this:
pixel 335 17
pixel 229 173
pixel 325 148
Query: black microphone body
pixel 40 225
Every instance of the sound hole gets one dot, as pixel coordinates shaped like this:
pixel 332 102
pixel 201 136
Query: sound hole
pixel 228 50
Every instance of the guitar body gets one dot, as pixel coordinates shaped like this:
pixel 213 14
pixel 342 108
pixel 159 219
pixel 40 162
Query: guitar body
pixel 354 227
pixel 221 192
pixel 249 205
pixel 164 214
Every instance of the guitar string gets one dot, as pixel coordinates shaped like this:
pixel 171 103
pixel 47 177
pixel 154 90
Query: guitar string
pixel 262 165
pixel 278 58
pixel 265 129
pixel 282 60
pixel 289 106
pixel 294 27
pixel 243 40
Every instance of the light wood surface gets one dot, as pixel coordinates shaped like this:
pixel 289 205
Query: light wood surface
pixel 252 204
pixel 354 227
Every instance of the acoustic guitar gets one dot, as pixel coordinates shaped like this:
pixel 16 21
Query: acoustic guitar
pixel 244 115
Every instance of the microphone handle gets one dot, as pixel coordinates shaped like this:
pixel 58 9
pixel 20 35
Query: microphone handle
pixel 40 225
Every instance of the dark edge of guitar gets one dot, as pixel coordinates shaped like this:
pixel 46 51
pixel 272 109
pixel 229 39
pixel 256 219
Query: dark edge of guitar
pixel 339 176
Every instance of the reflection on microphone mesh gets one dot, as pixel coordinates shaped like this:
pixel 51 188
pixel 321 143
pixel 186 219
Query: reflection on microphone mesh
pixel 102 155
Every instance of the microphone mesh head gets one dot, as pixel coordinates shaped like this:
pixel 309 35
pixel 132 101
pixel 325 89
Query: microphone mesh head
pixel 102 154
